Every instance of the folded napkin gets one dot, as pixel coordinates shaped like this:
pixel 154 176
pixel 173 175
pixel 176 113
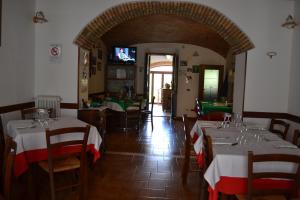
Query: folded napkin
pixel 208 125
pixel 25 126
pixel 289 146
pixel 229 143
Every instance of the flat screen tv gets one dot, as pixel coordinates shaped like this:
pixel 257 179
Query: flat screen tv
pixel 124 55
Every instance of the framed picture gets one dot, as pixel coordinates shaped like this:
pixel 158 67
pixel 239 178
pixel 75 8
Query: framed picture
pixel 196 68
pixel 99 54
pixel 183 63
pixel 99 66
pixel 94 60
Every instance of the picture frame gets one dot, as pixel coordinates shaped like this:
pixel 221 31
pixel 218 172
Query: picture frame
pixel 183 63
pixel 196 68
pixel 99 66
pixel 99 52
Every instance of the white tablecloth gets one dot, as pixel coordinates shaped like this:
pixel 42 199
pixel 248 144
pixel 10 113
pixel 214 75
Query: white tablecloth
pixel 30 135
pixel 231 160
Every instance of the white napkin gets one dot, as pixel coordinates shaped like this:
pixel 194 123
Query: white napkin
pixel 208 125
pixel 229 143
pixel 290 146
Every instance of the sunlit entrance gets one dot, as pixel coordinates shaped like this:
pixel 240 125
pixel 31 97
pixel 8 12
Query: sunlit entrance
pixel 160 83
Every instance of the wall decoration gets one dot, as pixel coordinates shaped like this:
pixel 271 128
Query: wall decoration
pixel 196 68
pixel 99 66
pixel 99 54
pixel 183 63
pixel 94 60
pixel 55 53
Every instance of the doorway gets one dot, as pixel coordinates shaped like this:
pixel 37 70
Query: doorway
pixel 160 80
pixel 210 82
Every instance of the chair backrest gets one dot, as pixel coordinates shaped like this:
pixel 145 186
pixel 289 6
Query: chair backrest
pixel 208 151
pixel 214 116
pixel 53 146
pixel 7 168
pixel 91 117
pixel 32 113
pixel 279 127
pixel 268 174
pixel 134 110
pixel 296 137
pixel 188 122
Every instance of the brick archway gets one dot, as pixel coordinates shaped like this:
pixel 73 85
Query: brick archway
pixel 230 32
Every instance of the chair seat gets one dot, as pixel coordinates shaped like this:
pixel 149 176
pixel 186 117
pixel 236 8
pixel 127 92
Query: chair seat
pixel 268 197
pixel 65 164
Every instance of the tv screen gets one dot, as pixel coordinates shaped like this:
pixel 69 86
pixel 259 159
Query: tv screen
pixel 124 55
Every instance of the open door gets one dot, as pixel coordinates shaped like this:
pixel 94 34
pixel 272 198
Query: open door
pixel 146 77
pixel 174 86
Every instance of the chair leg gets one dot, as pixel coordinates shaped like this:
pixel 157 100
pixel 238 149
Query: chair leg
pixel 52 186
pixel 152 121
pixel 185 171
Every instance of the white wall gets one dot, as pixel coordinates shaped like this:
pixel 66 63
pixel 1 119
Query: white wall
pixel 185 99
pixel 267 80
pixel 294 92
pixel 17 52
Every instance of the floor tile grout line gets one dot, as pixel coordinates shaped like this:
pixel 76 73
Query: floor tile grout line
pixel 142 154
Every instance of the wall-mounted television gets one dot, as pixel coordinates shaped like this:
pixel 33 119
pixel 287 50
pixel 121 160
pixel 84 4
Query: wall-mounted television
pixel 123 55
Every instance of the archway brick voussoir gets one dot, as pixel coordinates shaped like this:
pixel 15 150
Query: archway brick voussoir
pixel 204 15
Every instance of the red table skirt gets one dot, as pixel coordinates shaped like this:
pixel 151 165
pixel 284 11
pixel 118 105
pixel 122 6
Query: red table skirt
pixel 233 185
pixel 22 160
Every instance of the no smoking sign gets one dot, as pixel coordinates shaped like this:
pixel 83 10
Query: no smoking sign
pixel 55 52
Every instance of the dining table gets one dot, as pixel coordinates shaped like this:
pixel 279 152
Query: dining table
pixel 228 171
pixel 30 137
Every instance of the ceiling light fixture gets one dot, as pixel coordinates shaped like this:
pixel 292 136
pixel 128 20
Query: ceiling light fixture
pixel 289 22
pixel 39 17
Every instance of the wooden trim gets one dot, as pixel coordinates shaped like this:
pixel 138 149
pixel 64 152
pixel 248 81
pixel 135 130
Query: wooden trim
pixel 251 114
pixel 270 115
pixel 293 118
pixel 15 107
pixel 78 74
pixel 69 105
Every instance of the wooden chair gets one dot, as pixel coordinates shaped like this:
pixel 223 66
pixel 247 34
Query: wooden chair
pixel 273 193
pixel 7 168
pixel 66 161
pixel 213 116
pixel 189 152
pixel 132 117
pixel 296 137
pixel 96 118
pixel 279 127
pixel 208 157
pixel 147 115
pixel 31 113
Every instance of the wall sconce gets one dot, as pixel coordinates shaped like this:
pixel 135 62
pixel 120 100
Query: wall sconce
pixel 289 23
pixel 39 17
pixel 271 54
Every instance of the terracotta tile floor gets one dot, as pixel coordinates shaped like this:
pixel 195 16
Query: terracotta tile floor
pixel 142 166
